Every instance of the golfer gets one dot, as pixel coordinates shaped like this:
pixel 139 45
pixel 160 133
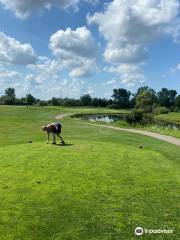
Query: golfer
pixel 55 129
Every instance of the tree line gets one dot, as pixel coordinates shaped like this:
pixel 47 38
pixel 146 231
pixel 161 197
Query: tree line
pixel 146 99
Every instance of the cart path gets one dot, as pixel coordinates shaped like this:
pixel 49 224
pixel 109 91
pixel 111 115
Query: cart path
pixel 161 137
pixel 61 116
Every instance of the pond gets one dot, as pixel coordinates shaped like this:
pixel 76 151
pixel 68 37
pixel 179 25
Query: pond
pixel 110 118
pixel 167 124
pixel 103 118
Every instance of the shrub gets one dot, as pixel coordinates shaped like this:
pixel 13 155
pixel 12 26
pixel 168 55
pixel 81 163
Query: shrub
pixel 161 110
pixel 42 103
pixel 135 117
pixel 114 106
pixel 147 119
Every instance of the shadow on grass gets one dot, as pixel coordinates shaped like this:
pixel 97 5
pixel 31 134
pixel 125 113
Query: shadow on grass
pixel 64 145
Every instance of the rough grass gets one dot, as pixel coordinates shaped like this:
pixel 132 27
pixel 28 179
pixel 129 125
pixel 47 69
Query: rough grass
pixel 173 117
pixel 98 187
pixel 150 127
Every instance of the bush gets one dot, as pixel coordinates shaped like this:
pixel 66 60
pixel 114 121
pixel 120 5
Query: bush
pixel 135 117
pixel 42 103
pixel 176 109
pixel 147 119
pixel 114 106
pixel 161 110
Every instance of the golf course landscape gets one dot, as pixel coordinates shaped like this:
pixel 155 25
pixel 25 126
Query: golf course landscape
pixel 99 186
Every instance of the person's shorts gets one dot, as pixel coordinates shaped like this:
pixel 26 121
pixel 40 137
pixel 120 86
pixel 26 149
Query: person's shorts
pixel 58 128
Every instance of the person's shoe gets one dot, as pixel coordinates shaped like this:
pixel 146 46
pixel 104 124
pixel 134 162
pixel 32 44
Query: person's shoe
pixel 63 142
pixel 54 143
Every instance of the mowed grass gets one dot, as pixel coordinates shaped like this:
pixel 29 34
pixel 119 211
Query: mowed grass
pixel 173 117
pixel 98 187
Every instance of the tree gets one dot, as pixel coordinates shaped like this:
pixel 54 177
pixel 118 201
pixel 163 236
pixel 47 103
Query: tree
pixel 99 102
pixel 166 97
pixel 150 90
pixel 30 100
pixel 43 103
pixel 86 100
pixel 144 101
pixel 177 102
pixel 95 102
pixel 10 96
pixel 172 97
pixel 103 102
pixel 55 102
pixel 10 92
pixel 121 97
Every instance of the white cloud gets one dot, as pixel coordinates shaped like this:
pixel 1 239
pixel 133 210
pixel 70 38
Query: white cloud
pixel 178 67
pixel 46 69
pixel 129 53
pixel 129 26
pixel 14 52
pixel 175 69
pixel 130 73
pixel 8 75
pixel 91 90
pixel 75 49
pixel 9 78
pixel 111 82
pixel 45 81
pixel 70 88
pixel 24 8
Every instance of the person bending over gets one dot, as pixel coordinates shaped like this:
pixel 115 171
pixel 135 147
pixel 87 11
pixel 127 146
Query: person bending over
pixel 55 130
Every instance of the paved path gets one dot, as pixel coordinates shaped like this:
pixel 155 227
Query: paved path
pixel 161 137
pixel 165 138
pixel 61 116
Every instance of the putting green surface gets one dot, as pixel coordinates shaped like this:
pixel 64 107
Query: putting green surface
pixel 100 186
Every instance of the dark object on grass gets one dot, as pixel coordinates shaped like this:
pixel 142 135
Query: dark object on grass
pixel 140 146
pixel 30 141
pixel 39 182
pixel 64 145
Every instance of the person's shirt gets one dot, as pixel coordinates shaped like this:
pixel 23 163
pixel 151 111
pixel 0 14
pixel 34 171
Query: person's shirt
pixel 52 127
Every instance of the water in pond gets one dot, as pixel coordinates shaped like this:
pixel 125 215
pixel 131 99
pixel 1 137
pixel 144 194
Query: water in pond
pixel 104 118
pixel 109 118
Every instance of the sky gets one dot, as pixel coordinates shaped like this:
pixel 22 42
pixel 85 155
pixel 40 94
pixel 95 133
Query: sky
pixel 67 48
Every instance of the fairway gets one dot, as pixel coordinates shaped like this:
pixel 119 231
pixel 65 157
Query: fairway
pixel 100 186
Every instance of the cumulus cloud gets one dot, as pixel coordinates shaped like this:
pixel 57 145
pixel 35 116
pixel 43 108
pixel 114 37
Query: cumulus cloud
pixel 76 50
pixel 23 8
pixel 71 88
pixel 91 90
pixel 9 78
pixel 111 82
pixel 8 75
pixel 14 52
pixel 175 69
pixel 58 87
pixel 45 80
pixel 45 69
pixel 130 73
pixel 129 26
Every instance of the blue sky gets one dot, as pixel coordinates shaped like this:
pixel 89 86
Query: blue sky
pixel 66 48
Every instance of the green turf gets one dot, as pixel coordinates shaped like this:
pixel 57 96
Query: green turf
pixel 165 130
pixel 173 117
pixel 98 187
